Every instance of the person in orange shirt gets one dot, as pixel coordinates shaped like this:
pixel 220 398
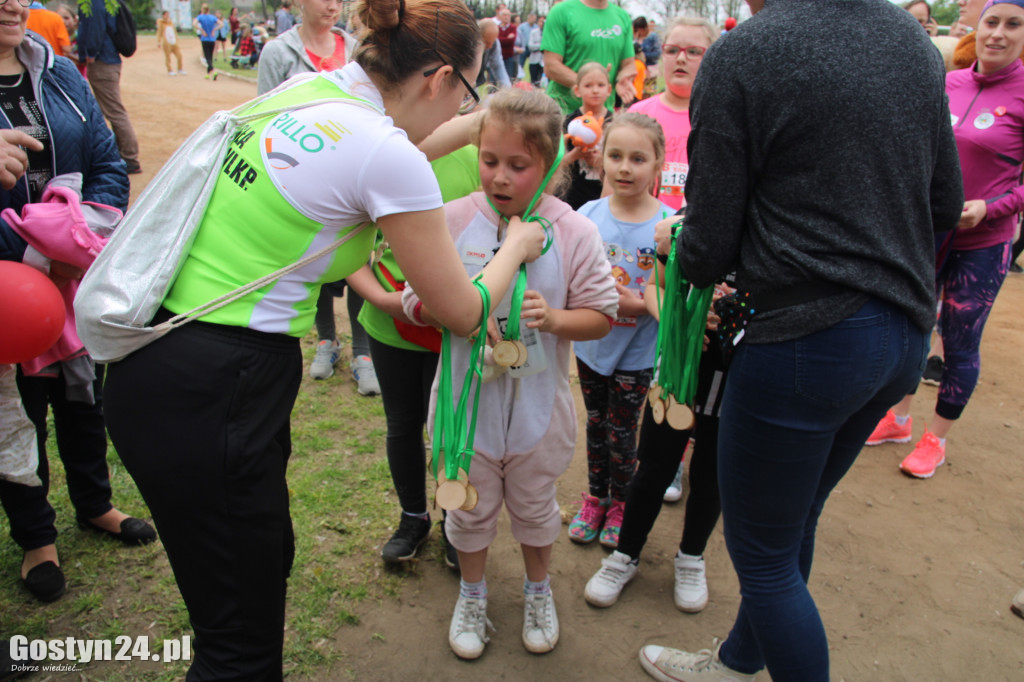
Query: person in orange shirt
pixel 50 26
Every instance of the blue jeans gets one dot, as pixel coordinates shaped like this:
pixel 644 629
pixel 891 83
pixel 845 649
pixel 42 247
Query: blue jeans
pixel 794 417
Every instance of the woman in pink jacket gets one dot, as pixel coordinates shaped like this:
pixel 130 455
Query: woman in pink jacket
pixel 986 103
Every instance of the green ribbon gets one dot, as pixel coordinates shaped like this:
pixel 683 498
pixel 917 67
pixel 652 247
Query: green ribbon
pixel 450 429
pixel 683 319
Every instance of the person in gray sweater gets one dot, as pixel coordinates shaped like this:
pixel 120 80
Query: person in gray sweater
pixel 822 162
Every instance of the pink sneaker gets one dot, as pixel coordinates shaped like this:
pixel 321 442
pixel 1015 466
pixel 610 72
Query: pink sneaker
pixel 613 524
pixel 928 455
pixel 587 522
pixel 888 431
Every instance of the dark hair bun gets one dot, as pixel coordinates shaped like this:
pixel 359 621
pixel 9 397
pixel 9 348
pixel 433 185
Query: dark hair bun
pixel 380 14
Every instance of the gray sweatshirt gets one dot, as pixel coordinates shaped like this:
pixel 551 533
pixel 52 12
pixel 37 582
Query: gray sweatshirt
pixel 822 161
pixel 285 56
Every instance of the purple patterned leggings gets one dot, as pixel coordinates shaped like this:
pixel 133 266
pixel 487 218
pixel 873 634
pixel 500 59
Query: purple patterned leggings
pixel 967 283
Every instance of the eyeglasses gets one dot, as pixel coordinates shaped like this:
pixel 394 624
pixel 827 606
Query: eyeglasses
pixel 692 51
pixel 471 100
pixel 23 3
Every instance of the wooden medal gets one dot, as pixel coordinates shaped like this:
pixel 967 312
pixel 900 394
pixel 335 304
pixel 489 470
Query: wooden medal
pixel 472 497
pixel 654 395
pixel 506 353
pixel 658 410
pixel 450 495
pixel 679 416
pixel 523 353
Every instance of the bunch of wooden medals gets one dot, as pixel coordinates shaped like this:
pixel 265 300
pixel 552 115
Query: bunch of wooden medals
pixel 683 319
pixel 452 446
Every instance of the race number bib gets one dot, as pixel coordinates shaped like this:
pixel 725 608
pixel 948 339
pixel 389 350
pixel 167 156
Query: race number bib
pixel 673 178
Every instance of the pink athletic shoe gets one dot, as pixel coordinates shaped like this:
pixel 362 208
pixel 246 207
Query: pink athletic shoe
pixel 888 431
pixel 587 522
pixel 928 455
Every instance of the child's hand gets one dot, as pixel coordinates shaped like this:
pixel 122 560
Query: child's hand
pixel 493 335
pixel 528 237
pixel 536 310
pixel 630 304
pixel 663 234
pixel 592 157
pixel 572 155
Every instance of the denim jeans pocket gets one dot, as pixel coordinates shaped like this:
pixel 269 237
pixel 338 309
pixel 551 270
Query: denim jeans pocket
pixel 843 364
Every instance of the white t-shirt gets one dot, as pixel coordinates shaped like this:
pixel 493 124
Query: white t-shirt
pixel 389 174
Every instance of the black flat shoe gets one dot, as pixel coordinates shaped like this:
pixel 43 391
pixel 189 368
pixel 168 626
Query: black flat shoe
pixel 133 531
pixel 45 581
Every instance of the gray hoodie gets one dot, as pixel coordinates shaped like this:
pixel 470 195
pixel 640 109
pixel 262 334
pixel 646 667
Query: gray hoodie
pixel 285 56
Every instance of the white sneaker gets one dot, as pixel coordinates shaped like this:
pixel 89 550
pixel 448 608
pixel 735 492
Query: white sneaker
pixel 673 665
pixel 182 72
pixel 467 634
pixel 540 623
pixel 172 73
pixel 691 590
pixel 605 587
pixel 327 353
pixel 365 375
pixel 674 491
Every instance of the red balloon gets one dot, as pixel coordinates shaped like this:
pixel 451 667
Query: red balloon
pixel 730 24
pixel 31 312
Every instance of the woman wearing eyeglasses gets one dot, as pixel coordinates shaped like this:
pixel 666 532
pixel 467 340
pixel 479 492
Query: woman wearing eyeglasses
pixel 686 41
pixel 44 96
pixel 200 417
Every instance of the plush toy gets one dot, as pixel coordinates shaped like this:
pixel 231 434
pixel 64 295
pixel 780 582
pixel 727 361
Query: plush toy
pixel 585 131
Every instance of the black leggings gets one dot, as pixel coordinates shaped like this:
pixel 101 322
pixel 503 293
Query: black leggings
pixel 405 377
pixel 326 328
pixel 208 48
pixel 200 419
pixel 659 453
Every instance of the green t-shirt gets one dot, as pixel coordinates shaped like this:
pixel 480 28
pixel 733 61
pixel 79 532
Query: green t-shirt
pixel 582 34
pixel 458 174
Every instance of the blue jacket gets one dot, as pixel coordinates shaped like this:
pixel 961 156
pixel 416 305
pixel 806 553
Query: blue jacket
pixel 94 35
pixel 79 137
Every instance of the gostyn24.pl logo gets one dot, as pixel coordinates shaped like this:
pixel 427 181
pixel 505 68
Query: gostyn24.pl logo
pixel 58 655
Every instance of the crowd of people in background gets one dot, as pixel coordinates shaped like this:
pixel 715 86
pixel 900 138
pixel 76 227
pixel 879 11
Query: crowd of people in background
pixel 688 118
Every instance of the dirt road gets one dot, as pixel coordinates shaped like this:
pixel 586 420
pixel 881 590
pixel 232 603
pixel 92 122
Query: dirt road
pixel 913 578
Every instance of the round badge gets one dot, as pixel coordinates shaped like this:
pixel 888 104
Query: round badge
pixel 953 118
pixel 984 121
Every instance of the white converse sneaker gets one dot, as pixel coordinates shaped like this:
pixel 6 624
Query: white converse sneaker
pixel 605 587
pixel 673 665
pixel 674 491
pixel 467 634
pixel 691 590
pixel 540 623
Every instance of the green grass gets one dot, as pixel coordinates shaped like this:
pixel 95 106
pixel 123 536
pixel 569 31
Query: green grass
pixel 342 504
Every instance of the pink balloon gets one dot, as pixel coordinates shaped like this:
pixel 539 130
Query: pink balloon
pixel 31 313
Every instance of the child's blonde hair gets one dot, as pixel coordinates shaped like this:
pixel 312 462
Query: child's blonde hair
pixel 709 29
pixel 535 116
pixel 591 67
pixel 643 123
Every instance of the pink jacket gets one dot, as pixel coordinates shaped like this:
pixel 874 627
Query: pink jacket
pixel 57 228
pixel 988 122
